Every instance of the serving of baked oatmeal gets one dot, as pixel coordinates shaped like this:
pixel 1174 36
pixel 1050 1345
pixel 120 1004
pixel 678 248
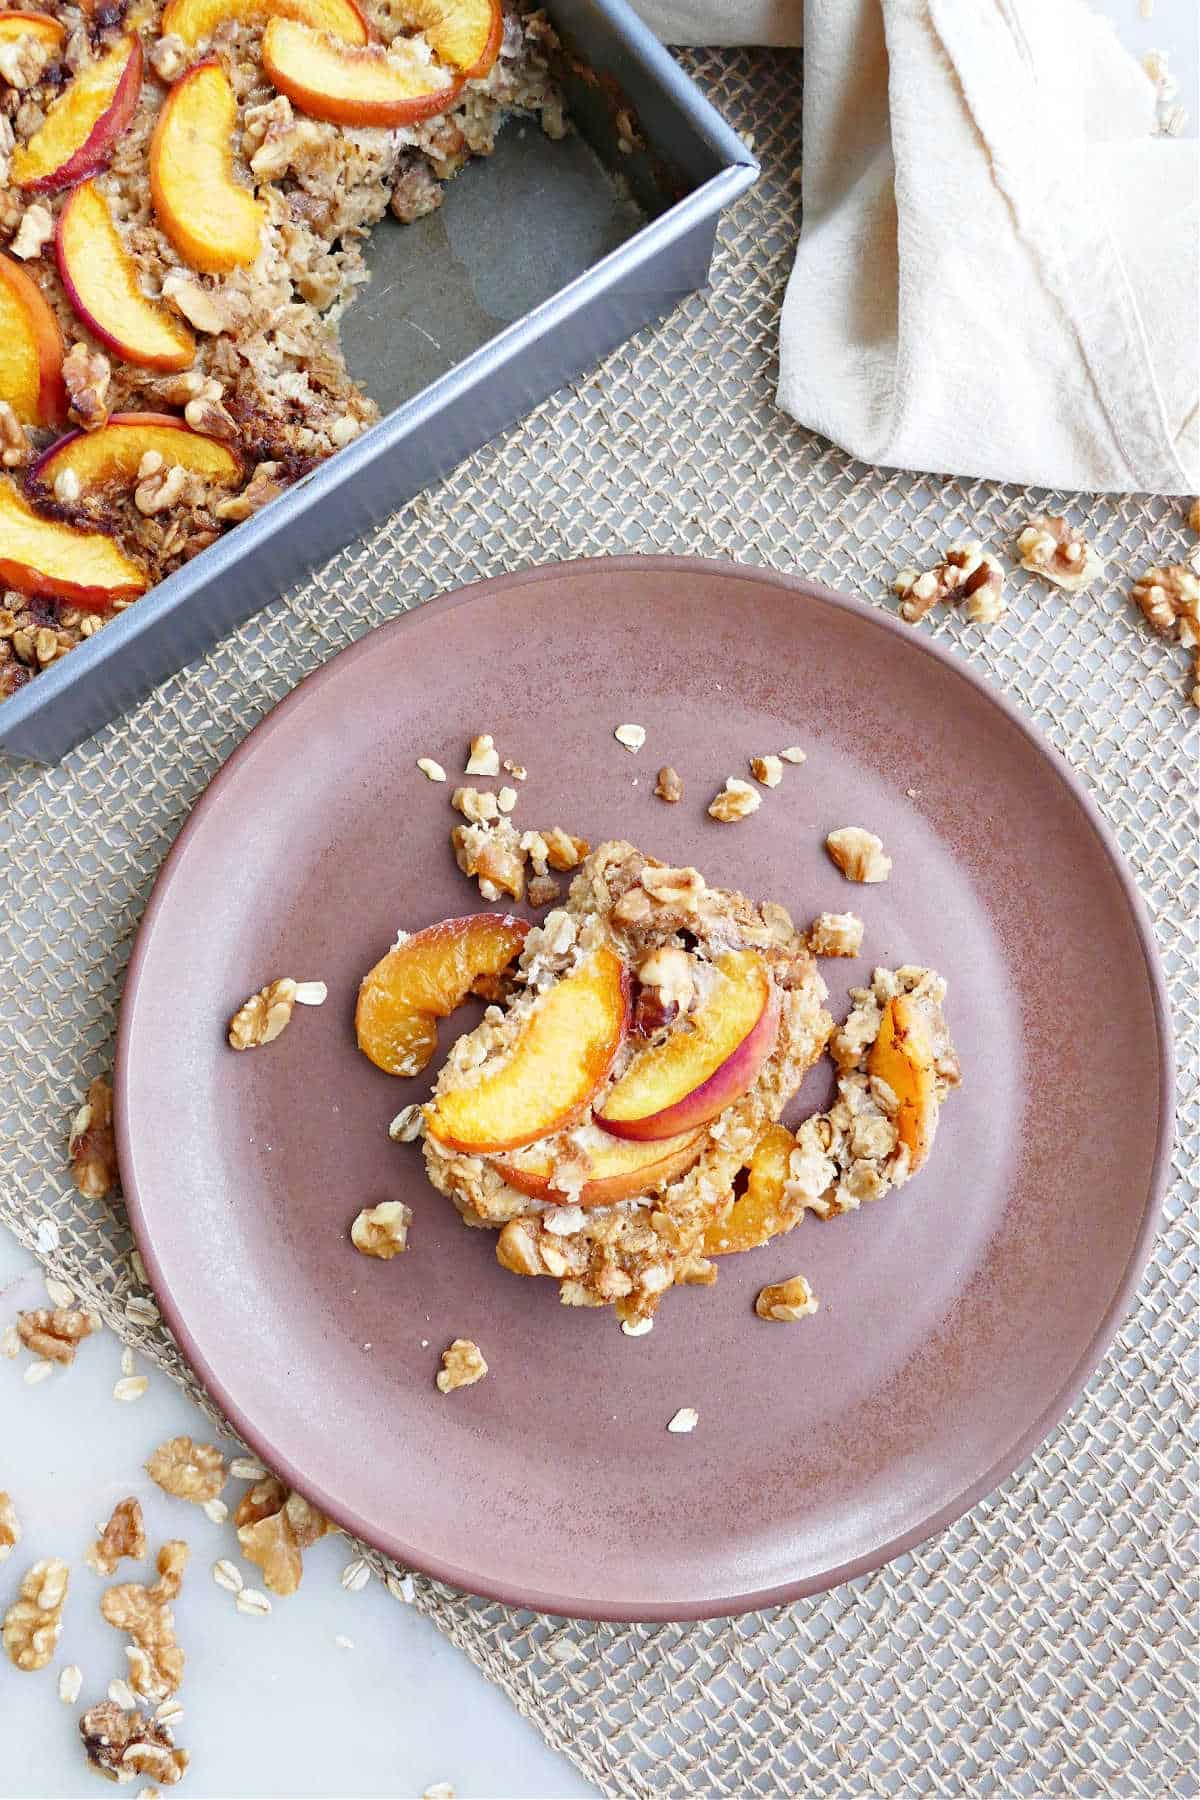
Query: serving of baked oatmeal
pixel 185 191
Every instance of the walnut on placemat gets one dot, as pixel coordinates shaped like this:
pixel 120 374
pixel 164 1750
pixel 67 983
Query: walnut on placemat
pixel 55 1333
pixel 1058 552
pixel 92 1146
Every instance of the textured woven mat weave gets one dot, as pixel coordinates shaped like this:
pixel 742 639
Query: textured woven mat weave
pixel 1045 1644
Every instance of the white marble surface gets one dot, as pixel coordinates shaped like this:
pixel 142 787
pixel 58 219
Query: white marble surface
pixel 273 1706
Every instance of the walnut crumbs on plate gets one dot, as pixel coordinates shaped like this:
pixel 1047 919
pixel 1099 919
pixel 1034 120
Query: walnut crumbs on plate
pixel 185 191
pixel 615 1115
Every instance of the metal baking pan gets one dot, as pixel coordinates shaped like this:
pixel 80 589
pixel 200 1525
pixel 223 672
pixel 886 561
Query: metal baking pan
pixel 537 264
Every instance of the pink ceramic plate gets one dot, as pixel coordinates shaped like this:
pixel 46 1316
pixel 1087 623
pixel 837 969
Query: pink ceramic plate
pixel 959 1318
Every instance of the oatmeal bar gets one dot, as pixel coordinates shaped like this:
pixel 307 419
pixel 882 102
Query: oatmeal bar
pixel 657 1026
pixel 186 187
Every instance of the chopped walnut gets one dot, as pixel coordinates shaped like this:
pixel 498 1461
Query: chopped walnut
pixel 259 491
pixel 483 758
pixel 682 888
pixel 967 573
pixel 34 233
pixel 1169 599
pixel 859 854
pixel 199 307
pixel 1059 552
pixel 155 1659
pixel 666 988
pixel 462 1366
pixel 382 1231
pixel 736 800
pixel 784 1301
pixel 161 486
pixel 261 1018
pixel 1193 517
pixel 10 1526
pixel 767 769
pixel 188 1470
pixel 123 1744
pixel 563 851
pixel 15 448
pixel 517 770
pixel 207 415
pixel 543 890
pixel 493 855
pixel 92 1146
pixel 477 807
pixel 33 1623
pixel 56 1334
pixel 668 787
pixel 835 934
pixel 167 56
pixel 124 1535
pixel 87 374
pixel 274 1526
pixel 416 191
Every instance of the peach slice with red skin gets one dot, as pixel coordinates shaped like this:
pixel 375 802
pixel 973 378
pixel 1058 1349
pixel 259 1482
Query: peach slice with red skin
pixel 757 1215
pixel 14 25
pixel 31 349
pixel 111 455
pixel 195 21
pixel 102 285
pixel 562 1053
pixel 79 133
pixel 903 1055
pixel 704 1065
pixel 352 84
pixel 423 979
pixel 467 33
pixel 619 1169
pixel 213 222
pixel 42 556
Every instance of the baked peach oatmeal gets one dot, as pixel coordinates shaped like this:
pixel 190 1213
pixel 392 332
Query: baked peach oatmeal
pixel 638 1050
pixel 185 190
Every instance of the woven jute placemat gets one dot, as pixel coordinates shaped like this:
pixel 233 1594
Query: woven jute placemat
pixel 1043 1645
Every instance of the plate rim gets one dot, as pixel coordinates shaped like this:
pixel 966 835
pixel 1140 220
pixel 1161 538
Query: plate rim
pixel 1019 1449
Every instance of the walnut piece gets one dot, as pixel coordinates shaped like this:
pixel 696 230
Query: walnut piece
pixel 56 1333
pixel 124 1535
pixel 681 888
pixel 87 374
pixel 34 233
pixel 462 1366
pixel 274 1526
pixel 199 307
pixel 1058 552
pixel 669 786
pixel 160 486
pixel 382 1231
pixel 1169 599
pixel 10 1526
pixel 155 1659
pixel 188 1470
pixel 835 934
pixel 666 988
pixel 15 448
pixel 1193 517
pixel 92 1147
pixel 33 1623
pixel 416 192
pixel 767 769
pixel 483 758
pixel 493 855
pixel 784 1301
pixel 261 1018
pixel 262 487
pixel 123 1744
pixel 859 854
pixel 967 573
pixel 736 800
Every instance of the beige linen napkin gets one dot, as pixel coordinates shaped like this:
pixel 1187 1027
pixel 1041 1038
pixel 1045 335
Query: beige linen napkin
pixel 999 265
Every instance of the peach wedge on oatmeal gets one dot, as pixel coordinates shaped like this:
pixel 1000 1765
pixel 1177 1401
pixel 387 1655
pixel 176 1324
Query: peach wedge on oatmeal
pixel 80 130
pixel 100 277
pixel 42 556
pixel 31 349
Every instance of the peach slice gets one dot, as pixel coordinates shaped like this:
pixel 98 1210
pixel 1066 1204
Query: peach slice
pixel 705 1064
pixel 102 285
pixel 466 33
pixel 110 456
pixel 213 222
pixel 903 1056
pixel 619 1169
pixel 31 349
pixel 15 25
pixel 77 137
pixel 561 1055
pixel 423 979
pixel 757 1215
pixel 354 84
pixel 196 20
pixel 40 556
